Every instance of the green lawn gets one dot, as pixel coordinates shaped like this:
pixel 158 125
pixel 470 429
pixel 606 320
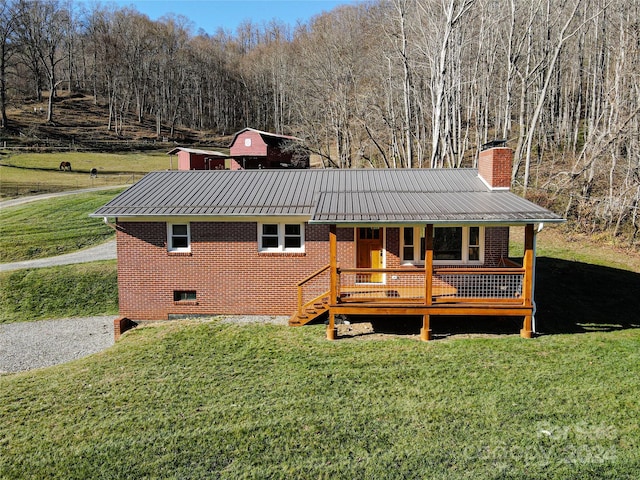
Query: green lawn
pixel 52 227
pixel 29 173
pixel 57 292
pixel 204 400
pixel 83 162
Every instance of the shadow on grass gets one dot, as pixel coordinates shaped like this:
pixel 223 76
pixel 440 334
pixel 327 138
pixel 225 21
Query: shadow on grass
pixel 574 297
pixel 571 297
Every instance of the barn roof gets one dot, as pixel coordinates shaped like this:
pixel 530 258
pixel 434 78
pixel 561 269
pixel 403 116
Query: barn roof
pixel 267 137
pixel 327 196
pixel 196 151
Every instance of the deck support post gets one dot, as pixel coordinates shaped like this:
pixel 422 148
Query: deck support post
pixel 526 331
pixel 331 326
pixel 425 331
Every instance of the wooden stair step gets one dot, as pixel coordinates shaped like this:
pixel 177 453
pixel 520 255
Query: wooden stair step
pixel 310 311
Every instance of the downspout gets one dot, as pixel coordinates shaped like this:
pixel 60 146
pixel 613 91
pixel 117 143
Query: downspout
pixel 114 226
pixel 533 280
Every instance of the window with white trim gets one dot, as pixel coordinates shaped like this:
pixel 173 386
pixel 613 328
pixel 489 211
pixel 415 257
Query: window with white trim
pixel 281 237
pixel 178 237
pixel 451 245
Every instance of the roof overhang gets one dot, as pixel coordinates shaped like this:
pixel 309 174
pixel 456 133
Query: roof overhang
pixel 196 151
pixel 453 208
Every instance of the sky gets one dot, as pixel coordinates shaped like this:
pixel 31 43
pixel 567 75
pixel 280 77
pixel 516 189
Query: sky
pixel 210 15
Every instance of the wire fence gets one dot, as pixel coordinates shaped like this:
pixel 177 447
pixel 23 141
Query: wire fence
pixel 19 189
pixel 49 145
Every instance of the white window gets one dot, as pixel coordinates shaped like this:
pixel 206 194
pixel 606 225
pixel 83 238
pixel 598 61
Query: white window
pixel 178 237
pixel 451 245
pixel 281 237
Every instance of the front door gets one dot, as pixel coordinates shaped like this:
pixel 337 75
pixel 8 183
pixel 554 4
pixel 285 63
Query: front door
pixel 369 253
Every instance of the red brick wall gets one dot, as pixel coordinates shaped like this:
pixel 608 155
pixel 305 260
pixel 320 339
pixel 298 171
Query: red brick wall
pixel 496 245
pixel 224 267
pixel 393 247
pixel 228 273
pixel 494 166
pixel 121 325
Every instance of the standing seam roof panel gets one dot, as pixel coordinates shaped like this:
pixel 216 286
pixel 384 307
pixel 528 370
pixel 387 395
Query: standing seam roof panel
pixel 369 194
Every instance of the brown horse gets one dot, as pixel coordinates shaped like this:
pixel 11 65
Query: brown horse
pixel 65 166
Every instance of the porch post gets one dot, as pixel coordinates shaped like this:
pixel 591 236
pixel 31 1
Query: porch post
pixel 428 265
pixel 527 288
pixel 331 329
pixel 333 280
pixel 333 262
pixel 425 331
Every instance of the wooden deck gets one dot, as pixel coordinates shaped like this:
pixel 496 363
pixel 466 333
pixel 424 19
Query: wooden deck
pixel 428 291
pixel 494 298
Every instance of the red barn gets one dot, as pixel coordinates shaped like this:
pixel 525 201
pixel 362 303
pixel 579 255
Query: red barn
pixel 194 159
pixel 257 149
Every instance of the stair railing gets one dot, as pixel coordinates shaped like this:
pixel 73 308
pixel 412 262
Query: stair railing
pixel 302 284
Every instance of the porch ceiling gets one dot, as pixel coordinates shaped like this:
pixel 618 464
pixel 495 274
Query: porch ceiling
pixel 428 207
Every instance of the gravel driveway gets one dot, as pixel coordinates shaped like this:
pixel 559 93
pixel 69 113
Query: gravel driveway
pixel 29 345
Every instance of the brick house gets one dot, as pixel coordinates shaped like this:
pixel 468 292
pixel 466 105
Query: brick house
pixel 254 149
pixel 312 243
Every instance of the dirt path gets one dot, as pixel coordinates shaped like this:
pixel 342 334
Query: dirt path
pixel 105 251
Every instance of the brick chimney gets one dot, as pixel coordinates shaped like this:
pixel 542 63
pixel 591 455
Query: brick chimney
pixel 494 167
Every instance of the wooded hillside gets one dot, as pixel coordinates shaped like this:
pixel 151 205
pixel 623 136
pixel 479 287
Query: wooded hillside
pixel 393 83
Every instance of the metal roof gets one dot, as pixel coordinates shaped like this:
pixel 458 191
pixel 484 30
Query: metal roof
pixel 196 151
pixel 440 207
pixel 265 136
pixel 326 196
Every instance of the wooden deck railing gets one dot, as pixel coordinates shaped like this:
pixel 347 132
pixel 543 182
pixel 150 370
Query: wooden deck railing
pixel 388 284
pixel 487 285
pixel 403 285
pixel 484 284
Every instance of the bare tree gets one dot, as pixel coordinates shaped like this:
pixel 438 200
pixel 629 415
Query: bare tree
pixel 559 42
pixel 44 28
pixel 9 14
pixel 437 31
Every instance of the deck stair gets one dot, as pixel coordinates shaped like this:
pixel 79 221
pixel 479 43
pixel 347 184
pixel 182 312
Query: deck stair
pixel 310 311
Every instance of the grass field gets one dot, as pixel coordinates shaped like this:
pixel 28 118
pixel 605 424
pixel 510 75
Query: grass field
pixel 57 292
pixel 27 173
pixel 204 400
pixel 207 400
pixel 52 227
pixel 83 162
pixel 561 242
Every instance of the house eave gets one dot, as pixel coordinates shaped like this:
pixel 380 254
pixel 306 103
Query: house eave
pixel 440 222
pixel 342 223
